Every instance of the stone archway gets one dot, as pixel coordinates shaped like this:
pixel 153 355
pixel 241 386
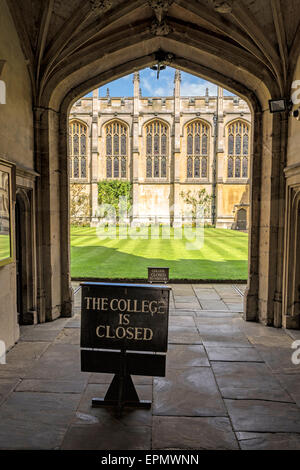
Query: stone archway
pixel 69 69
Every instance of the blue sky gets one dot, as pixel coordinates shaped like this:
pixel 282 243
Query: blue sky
pixel 190 85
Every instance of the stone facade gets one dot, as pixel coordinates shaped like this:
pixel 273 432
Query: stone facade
pixel 202 142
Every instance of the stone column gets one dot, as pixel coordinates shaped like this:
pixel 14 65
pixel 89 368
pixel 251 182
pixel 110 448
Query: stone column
pixel 135 149
pixel 94 158
pixel 176 152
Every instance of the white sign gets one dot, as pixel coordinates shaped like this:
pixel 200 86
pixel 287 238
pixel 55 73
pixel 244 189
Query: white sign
pixel 2 352
pixel 2 92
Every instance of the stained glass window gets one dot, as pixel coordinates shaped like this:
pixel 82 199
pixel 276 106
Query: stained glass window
pixel 245 167
pixel 230 144
pixel 108 167
pixel 123 167
pixel 238 146
pixel 197 144
pixel 83 144
pixel 116 145
pixel 83 167
pixel 156 149
pixel 237 167
pixel 164 144
pixel 204 167
pixel 204 144
pixel 163 167
pixel 156 144
pixel 246 145
pixel 116 167
pixel 76 144
pixel 197 149
pixel 76 167
pixel 190 167
pixel 230 167
pixel 149 167
pixel 149 144
pixel 78 150
pixel 197 167
pixel 156 167
pixel 123 144
pixel 190 144
pixel 108 145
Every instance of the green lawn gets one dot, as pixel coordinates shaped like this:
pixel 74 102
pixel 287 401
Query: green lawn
pixel 221 254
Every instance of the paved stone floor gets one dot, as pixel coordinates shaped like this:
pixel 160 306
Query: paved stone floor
pixel 230 384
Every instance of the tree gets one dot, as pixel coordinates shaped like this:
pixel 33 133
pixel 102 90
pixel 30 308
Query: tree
pixel 117 195
pixel 79 203
pixel 199 201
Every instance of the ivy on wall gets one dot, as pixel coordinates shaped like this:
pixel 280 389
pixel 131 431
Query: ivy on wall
pixel 117 195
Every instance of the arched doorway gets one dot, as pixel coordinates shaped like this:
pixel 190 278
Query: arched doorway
pixel 24 257
pixel 241 223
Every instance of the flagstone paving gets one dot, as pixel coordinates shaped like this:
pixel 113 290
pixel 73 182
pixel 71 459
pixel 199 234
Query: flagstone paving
pixel 229 384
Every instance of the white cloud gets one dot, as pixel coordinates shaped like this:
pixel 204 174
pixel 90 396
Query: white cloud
pixel 197 89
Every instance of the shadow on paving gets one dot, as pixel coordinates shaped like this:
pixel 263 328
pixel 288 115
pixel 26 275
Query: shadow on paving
pixel 229 385
pixel 113 263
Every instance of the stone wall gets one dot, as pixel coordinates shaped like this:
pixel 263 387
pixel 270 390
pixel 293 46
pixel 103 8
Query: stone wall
pixel 16 145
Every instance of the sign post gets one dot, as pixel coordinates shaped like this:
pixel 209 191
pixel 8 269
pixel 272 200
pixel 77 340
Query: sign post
pixel 124 330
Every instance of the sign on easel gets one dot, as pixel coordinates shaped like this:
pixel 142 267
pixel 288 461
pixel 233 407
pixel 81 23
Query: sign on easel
pixel 158 275
pixel 117 319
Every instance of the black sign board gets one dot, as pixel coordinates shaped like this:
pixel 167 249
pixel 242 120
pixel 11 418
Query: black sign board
pixel 124 316
pixel 158 275
pixel 117 319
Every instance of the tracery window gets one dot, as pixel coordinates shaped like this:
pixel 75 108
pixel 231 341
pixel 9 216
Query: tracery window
pixel 238 150
pixel 116 143
pixel 156 149
pixel 78 150
pixel 197 149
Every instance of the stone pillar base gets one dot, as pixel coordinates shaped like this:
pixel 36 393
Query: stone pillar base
pixel 250 307
pixel 30 318
pixel 291 322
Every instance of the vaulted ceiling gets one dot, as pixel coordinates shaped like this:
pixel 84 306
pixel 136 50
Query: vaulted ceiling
pixel 231 38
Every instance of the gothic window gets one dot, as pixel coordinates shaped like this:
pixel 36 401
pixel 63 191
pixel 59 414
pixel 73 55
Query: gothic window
pixel 197 149
pixel 163 167
pixel 75 167
pixel 108 167
pixel 116 135
pixel 238 167
pixel 204 167
pixel 238 150
pixel 245 167
pixel 230 167
pixel 123 167
pixel 197 167
pixel 149 167
pixel 156 149
pixel 78 150
pixel 190 167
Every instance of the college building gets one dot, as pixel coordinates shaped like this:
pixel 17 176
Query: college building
pixel 166 147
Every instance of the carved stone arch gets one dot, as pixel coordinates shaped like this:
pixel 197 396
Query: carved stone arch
pixel 203 121
pixel 163 121
pixel 120 121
